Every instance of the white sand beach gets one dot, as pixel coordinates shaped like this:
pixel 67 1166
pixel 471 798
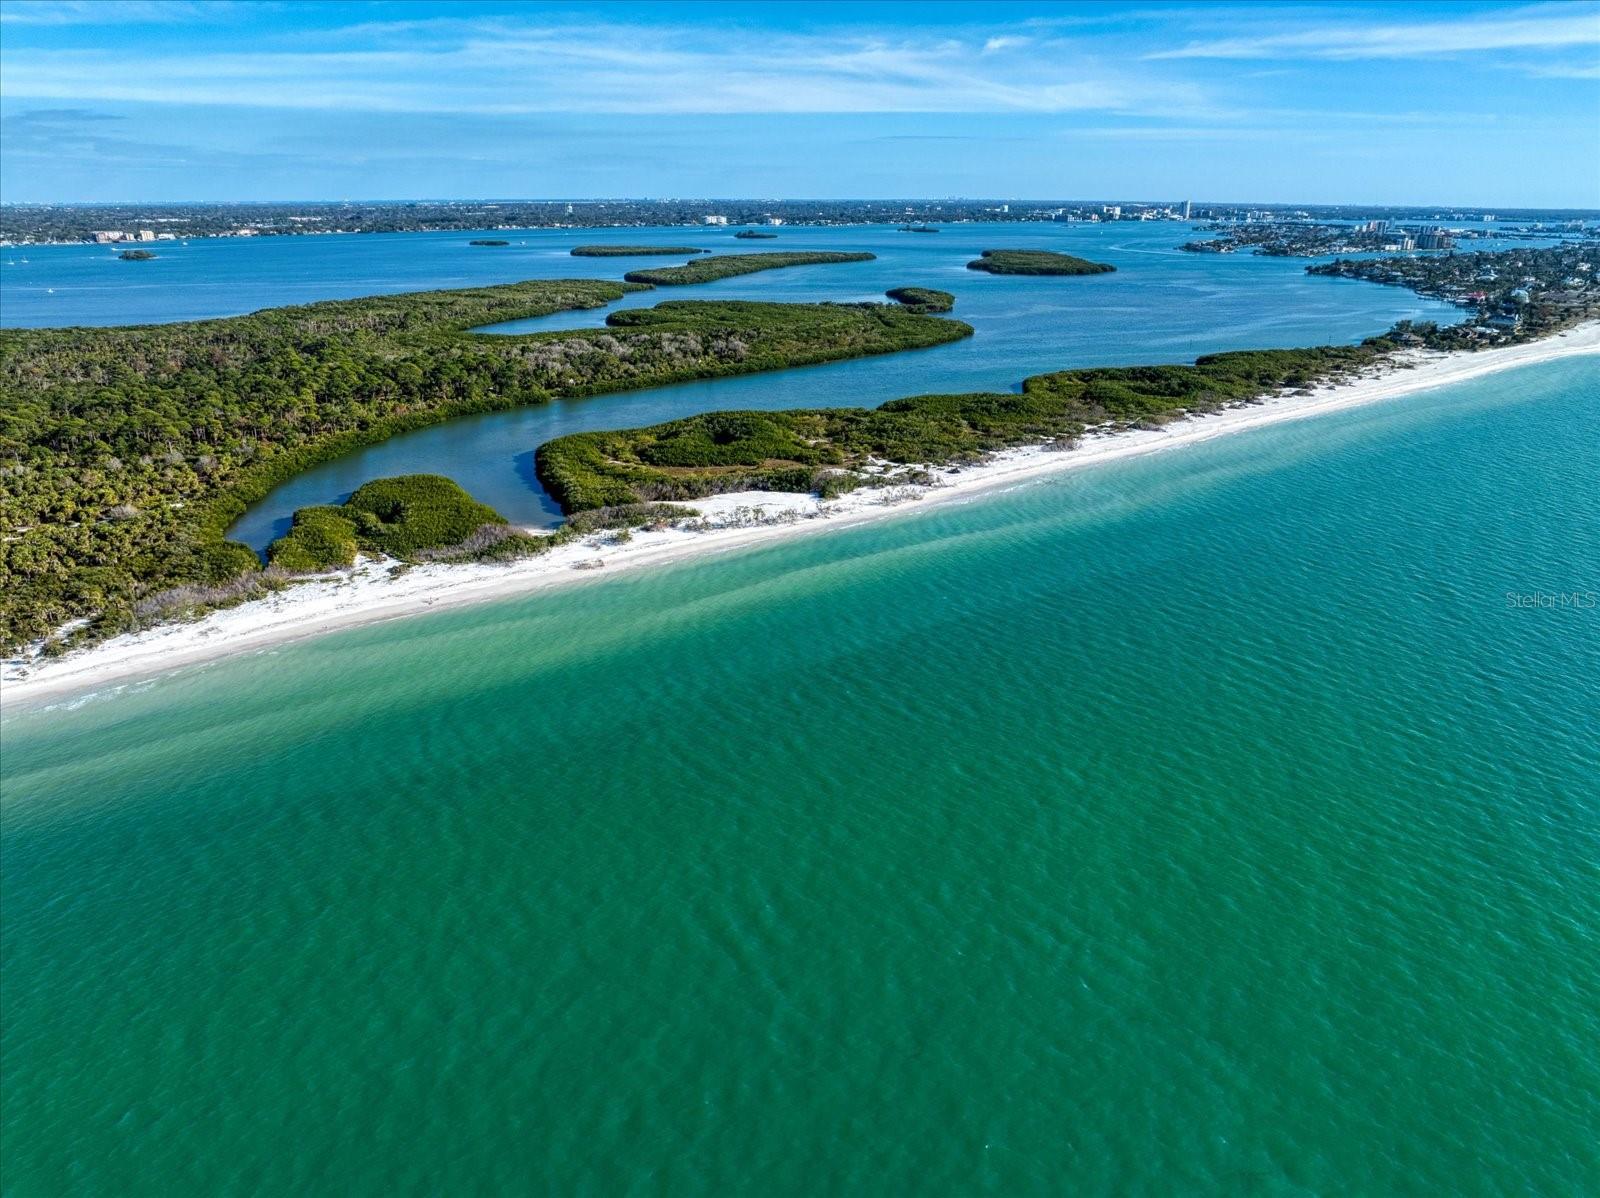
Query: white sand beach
pixel 372 590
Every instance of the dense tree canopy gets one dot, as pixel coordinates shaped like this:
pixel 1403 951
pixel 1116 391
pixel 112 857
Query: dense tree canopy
pixel 126 452
pixel 814 449
pixel 1036 262
pixel 634 251
pixel 724 266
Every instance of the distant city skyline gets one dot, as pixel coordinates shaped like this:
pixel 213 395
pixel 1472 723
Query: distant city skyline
pixel 1384 104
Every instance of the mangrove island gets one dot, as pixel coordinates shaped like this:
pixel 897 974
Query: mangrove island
pixel 634 251
pixel 724 266
pixel 1036 262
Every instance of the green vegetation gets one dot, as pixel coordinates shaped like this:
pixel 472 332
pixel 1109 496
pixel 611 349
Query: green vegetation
pixel 321 538
pixel 399 517
pixel 828 449
pixel 633 251
pixel 918 229
pixel 136 256
pixel 754 235
pixel 922 299
pixel 723 266
pixel 487 241
pixel 428 518
pixel 1036 262
pixel 125 453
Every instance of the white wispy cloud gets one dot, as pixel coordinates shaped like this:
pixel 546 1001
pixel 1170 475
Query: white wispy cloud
pixel 1545 27
pixel 510 67
pixel 115 12
pixel 1565 71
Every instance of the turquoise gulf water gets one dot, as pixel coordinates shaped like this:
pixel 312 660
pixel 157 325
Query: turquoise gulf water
pixel 1203 824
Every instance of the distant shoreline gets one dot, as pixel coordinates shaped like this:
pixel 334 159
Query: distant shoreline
pixel 367 594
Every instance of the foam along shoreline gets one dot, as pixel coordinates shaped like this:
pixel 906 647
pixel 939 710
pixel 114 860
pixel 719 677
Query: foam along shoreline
pixel 373 590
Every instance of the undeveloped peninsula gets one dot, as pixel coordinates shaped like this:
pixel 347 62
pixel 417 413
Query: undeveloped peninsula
pixel 127 452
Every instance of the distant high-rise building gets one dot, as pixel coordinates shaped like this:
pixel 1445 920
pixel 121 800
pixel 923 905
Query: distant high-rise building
pixel 713 220
pixel 1187 205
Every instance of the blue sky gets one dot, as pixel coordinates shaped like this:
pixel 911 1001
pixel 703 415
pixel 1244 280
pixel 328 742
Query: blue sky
pixel 1469 103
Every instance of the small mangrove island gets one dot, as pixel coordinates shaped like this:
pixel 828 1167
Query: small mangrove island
pixel 917 229
pixel 922 299
pixel 754 235
pixel 1036 262
pixel 724 266
pixel 634 251
pixel 401 517
pixel 136 255
pixel 488 241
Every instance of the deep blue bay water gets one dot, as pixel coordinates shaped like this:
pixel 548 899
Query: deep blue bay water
pixel 1207 823
pixel 1161 305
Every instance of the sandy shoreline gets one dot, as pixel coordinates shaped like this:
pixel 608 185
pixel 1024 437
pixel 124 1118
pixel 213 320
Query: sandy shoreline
pixel 368 593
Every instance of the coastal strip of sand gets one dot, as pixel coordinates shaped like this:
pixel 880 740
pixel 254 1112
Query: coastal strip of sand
pixel 374 590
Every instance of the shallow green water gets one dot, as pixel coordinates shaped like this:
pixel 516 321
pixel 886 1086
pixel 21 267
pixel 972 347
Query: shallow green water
pixel 1203 824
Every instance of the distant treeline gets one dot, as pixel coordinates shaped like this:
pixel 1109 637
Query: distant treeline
pixel 78 222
